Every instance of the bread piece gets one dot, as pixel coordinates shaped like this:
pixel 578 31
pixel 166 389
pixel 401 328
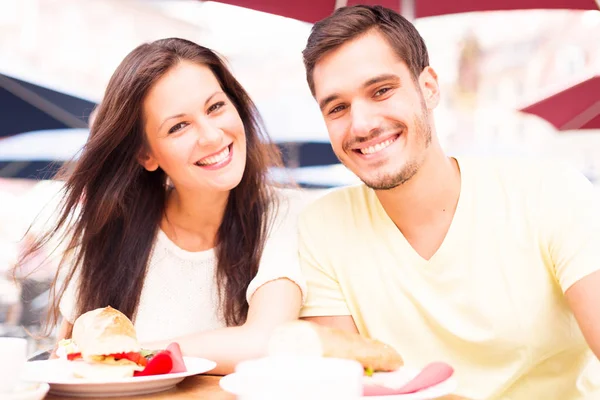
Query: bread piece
pixel 309 339
pixel 104 331
pixel 102 372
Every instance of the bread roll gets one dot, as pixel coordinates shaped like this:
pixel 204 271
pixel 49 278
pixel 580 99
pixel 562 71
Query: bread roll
pixel 310 339
pixel 104 331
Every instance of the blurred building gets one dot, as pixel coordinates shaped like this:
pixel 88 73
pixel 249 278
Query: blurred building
pixel 494 80
pixel 76 45
pixel 489 64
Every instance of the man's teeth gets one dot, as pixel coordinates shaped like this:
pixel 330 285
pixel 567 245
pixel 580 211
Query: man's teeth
pixel 214 159
pixel 377 147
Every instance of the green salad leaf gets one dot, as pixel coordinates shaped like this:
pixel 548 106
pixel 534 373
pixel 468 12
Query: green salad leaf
pixel 147 353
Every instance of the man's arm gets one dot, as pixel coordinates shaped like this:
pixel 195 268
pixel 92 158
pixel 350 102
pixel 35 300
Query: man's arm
pixel 325 304
pixel 571 230
pixel 344 322
pixel 584 299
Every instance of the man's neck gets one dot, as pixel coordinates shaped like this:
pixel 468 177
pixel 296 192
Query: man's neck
pixel 429 196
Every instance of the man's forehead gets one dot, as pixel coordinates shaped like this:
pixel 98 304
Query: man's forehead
pixel 354 63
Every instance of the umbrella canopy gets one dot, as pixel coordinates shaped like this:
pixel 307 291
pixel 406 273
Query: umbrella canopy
pixel 39 154
pixel 54 144
pixel 26 107
pixel 324 176
pixel 314 10
pixel 577 107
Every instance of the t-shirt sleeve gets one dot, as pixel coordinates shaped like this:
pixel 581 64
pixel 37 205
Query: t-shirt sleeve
pixel 572 224
pixel 325 297
pixel 280 254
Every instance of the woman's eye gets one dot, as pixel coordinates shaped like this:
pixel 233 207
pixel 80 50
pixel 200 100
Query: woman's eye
pixel 382 91
pixel 215 107
pixel 337 109
pixel 177 127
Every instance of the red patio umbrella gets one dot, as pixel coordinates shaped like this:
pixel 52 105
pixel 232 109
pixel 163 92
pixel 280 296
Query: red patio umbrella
pixel 577 107
pixel 314 10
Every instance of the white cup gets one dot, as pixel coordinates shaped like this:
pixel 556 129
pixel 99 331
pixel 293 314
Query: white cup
pixel 300 378
pixel 13 352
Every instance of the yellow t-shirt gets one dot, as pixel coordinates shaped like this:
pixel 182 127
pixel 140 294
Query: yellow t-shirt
pixel 490 301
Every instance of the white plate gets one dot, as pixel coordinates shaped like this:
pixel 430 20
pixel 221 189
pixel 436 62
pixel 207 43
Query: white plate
pixel 62 382
pixel 233 383
pixel 28 391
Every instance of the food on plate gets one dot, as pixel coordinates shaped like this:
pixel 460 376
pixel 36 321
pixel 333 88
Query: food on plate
pixel 104 346
pixel 310 339
pixel 168 361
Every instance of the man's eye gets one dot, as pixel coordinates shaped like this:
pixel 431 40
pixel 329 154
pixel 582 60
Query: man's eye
pixel 177 127
pixel 215 107
pixel 337 109
pixel 382 91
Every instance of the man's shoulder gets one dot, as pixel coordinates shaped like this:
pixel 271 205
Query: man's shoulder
pixel 289 202
pixel 337 203
pixel 530 174
pixel 507 165
pixel 293 196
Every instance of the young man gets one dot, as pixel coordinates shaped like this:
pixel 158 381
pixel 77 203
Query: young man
pixel 491 266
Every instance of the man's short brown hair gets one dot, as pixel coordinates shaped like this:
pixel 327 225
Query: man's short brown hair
pixel 348 23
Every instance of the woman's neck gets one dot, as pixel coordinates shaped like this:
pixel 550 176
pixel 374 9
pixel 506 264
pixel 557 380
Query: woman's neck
pixel 192 219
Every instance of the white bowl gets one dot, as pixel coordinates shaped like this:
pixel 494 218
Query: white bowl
pixel 297 377
pixel 27 391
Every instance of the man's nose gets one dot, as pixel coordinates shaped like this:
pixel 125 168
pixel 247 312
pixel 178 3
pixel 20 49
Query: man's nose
pixel 363 119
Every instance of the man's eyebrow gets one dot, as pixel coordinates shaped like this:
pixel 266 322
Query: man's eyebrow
pixel 181 115
pixel 323 103
pixel 378 79
pixel 381 78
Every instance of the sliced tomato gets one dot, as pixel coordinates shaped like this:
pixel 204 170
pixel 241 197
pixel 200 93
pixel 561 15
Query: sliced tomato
pixel 131 356
pixel 73 356
pixel 164 362
pixel 160 364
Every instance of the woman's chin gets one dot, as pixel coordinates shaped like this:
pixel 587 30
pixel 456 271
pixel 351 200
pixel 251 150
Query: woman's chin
pixel 227 184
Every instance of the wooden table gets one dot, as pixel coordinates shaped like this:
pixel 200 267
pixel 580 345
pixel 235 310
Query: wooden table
pixel 195 387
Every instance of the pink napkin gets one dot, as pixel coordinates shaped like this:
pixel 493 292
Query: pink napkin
pixel 433 374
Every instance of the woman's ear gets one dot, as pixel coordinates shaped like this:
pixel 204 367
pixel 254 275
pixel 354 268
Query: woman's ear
pixel 147 161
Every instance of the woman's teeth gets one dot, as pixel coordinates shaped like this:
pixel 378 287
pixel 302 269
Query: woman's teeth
pixel 214 159
pixel 377 147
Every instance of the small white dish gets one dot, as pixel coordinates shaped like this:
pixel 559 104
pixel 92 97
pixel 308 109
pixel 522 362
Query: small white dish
pixel 28 391
pixel 300 378
pixel 234 383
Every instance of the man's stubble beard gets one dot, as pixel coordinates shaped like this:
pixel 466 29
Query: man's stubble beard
pixel 411 167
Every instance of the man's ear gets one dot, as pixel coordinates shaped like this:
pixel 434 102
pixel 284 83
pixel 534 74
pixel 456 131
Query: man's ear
pixel 428 82
pixel 147 161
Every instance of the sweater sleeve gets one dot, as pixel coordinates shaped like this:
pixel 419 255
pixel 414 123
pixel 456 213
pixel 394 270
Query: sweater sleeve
pixel 280 255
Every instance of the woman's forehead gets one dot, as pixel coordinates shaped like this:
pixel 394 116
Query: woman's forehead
pixel 181 90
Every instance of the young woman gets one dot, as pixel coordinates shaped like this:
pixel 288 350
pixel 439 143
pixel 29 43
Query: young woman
pixel 170 215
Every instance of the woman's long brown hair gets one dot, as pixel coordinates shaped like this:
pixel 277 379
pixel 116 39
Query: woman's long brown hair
pixel 112 206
